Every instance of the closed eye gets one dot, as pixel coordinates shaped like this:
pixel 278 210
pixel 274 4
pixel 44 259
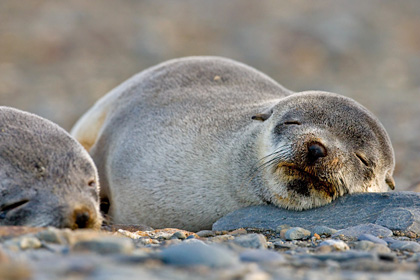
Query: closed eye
pixel 14 205
pixel 362 159
pixel 292 122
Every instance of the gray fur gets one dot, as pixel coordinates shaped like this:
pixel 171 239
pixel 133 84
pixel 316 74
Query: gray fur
pixel 190 140
pixel 44 175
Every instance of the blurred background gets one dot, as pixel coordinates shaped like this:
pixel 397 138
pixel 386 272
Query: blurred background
pixel 58 57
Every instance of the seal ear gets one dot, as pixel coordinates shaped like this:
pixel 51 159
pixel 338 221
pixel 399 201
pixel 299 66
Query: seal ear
pixel 390 181
pixel 262 116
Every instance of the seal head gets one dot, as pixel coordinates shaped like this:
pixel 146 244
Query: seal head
pixel 319 146
pixel 46 177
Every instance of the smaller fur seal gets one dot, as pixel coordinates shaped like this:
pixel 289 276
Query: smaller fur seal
pixel 46 177
pixel 186 142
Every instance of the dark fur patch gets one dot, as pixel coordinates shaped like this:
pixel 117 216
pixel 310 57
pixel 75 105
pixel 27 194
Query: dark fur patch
pixel 299 186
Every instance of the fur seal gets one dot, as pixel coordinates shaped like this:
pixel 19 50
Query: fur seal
pixel 46 177
pixel 185 142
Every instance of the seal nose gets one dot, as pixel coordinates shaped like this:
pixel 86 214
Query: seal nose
pixel 81 218
pixel 316 150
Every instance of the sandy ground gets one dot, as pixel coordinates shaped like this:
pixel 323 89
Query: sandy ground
pixel 58 57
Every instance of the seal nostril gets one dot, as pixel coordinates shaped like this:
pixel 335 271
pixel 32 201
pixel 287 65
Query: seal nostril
pixel 316 150
pixel 82 219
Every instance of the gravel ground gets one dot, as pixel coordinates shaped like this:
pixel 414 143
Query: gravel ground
pixel 363 252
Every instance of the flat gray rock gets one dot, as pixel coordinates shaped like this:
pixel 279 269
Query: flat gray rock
pixel 198 253
pixel 394 210
pixel 353 233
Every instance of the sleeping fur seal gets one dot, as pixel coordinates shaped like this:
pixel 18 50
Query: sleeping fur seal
pixel 187 141
pixel 46 177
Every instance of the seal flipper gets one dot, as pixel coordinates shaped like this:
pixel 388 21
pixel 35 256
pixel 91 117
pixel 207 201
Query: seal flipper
pixel 86 129
pixel 390 181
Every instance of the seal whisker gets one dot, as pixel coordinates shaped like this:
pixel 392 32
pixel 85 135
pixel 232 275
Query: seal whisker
pixel 262 164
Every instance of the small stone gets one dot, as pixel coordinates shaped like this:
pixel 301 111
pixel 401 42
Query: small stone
pixel 283 245
pixel 297 233
pixel 162 235
pixel 30 243
pixel 23 243
pixel 372 238
pixel 260 256
pixel 324 249
pixel 338 245
pixel 282 227
pixel 364 245
pixel 254 240
pixel 414 258
pixel 106 245
pixel 206 233
pixel 51 235
pixel 282 233
pixel 143 241
pixel 353 233
pixel 323 230
pixel 171 242
pixel 198 253
pixel 410 246
pixel 343 256
pixel 193 241
pixel 179 235
pixel 221 238
pixel 240 231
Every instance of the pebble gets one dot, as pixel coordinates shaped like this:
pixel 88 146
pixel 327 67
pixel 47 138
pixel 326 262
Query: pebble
pixel 30 243
pixel 284 245
pixel 171 242
pixel 410 246
pixel 51 235
pixel 338 245
pixel 240 231
pixel 179 235
pixel 206 233
pixel 253 240
pixel 221 238
pixel 353 233
pixel 282 227
pixel 297 233
pixel 323 230
pixel 106 245
pixel 365 245
pixel 261 256
pixel 343 256
pixel 198 253
pixel 23 243
pixel 372 238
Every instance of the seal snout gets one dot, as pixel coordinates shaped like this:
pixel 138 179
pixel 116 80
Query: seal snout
pixel 84 218
pixel 316 150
